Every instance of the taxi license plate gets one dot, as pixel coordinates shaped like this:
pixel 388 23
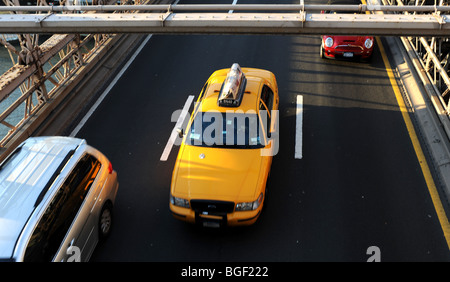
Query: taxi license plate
pixel 211 224
pixel 348 54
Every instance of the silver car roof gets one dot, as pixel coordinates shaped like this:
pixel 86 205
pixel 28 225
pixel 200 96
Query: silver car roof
pixel 25 177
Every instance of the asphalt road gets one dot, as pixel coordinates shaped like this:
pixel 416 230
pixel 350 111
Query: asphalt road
pixel 359 183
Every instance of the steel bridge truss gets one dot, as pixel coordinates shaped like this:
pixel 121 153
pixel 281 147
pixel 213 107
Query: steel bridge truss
pixel 433 53
pixel 40 70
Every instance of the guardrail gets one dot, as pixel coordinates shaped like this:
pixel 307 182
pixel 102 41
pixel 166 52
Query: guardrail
pixel 41 71
pixel 215 19
pixel 432 60
pixel 360 8
pixel 27 87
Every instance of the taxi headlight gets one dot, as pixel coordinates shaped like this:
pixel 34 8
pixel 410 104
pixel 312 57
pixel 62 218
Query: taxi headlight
pixel 250 206
pixel 328 42
pixel 368 43
pixel 180 202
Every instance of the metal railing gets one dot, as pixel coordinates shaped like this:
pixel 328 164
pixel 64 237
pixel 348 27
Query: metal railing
pixel 360 8
pixel 433 54
pixel 249 19
pixel 40 70
pixel 29 86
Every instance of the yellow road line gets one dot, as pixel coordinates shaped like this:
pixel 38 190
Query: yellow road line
pixel 443 220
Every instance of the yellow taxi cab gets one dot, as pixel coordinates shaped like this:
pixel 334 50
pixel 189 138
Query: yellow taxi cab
pixel 224 160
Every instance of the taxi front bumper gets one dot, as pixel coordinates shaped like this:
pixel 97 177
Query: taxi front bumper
pixel 208 219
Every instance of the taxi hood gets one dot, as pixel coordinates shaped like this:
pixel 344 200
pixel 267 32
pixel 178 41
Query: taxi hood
pixel 217 173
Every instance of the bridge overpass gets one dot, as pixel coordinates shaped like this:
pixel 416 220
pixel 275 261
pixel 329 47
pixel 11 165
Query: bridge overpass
pixel 370 174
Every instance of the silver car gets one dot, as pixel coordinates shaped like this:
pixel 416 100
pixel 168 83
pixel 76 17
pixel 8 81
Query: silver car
pixel 56 199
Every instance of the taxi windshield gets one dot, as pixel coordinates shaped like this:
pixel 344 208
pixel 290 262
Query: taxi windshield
pixel 227 130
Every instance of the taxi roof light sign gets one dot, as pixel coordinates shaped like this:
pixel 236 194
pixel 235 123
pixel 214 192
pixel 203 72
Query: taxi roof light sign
pixel 233 88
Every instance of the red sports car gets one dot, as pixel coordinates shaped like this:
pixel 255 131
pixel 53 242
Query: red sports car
pixel 347 47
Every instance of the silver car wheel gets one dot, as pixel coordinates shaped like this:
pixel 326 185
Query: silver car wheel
pixel 105 221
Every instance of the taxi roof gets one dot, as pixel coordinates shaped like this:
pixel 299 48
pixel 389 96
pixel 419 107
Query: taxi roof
pixel 255 79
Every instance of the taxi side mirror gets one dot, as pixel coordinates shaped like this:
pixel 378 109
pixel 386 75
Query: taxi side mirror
pixel 180 132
